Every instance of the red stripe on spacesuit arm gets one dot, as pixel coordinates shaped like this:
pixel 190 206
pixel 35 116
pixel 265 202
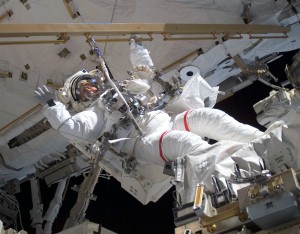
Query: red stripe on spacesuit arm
pixel 186 126
pixel 160 146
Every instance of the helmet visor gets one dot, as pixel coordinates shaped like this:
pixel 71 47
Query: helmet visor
pixel 87 89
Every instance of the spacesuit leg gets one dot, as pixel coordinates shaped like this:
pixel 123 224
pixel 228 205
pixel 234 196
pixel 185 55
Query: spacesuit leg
pixel 200 160
pixel 167 146
pixel 215 124
pixel 161 147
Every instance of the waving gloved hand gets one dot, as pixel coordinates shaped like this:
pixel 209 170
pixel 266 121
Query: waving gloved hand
pixel 44 96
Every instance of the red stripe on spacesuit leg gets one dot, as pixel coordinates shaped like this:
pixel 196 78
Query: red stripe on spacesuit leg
pixel 160 146
pixel 186 126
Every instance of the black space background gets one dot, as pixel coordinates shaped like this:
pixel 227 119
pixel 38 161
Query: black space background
pixel 118 211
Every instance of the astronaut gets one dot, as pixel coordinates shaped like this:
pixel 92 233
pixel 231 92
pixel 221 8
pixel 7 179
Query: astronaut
pixel 85 94
pixel 164 138
pixel 168 139
pixel 87 108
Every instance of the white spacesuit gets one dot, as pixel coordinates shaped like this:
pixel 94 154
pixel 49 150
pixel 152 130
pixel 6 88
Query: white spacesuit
pixel 168 138
pixel 91 123
pixel 184 134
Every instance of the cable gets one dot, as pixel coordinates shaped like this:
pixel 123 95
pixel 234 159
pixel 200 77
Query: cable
pixel 178 201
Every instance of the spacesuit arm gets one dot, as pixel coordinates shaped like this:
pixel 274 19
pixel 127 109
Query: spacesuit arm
pixel 83 126
pixel 139 55
pixel 56 114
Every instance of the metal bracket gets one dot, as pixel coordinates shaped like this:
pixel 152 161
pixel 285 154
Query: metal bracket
pixel 70 9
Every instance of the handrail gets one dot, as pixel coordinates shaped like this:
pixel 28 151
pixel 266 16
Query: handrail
pixel 107 29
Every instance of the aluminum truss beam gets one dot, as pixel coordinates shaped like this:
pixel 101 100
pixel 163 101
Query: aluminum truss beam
pixel 101 29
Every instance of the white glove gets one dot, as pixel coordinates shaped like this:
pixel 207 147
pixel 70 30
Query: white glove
pixel 44 96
